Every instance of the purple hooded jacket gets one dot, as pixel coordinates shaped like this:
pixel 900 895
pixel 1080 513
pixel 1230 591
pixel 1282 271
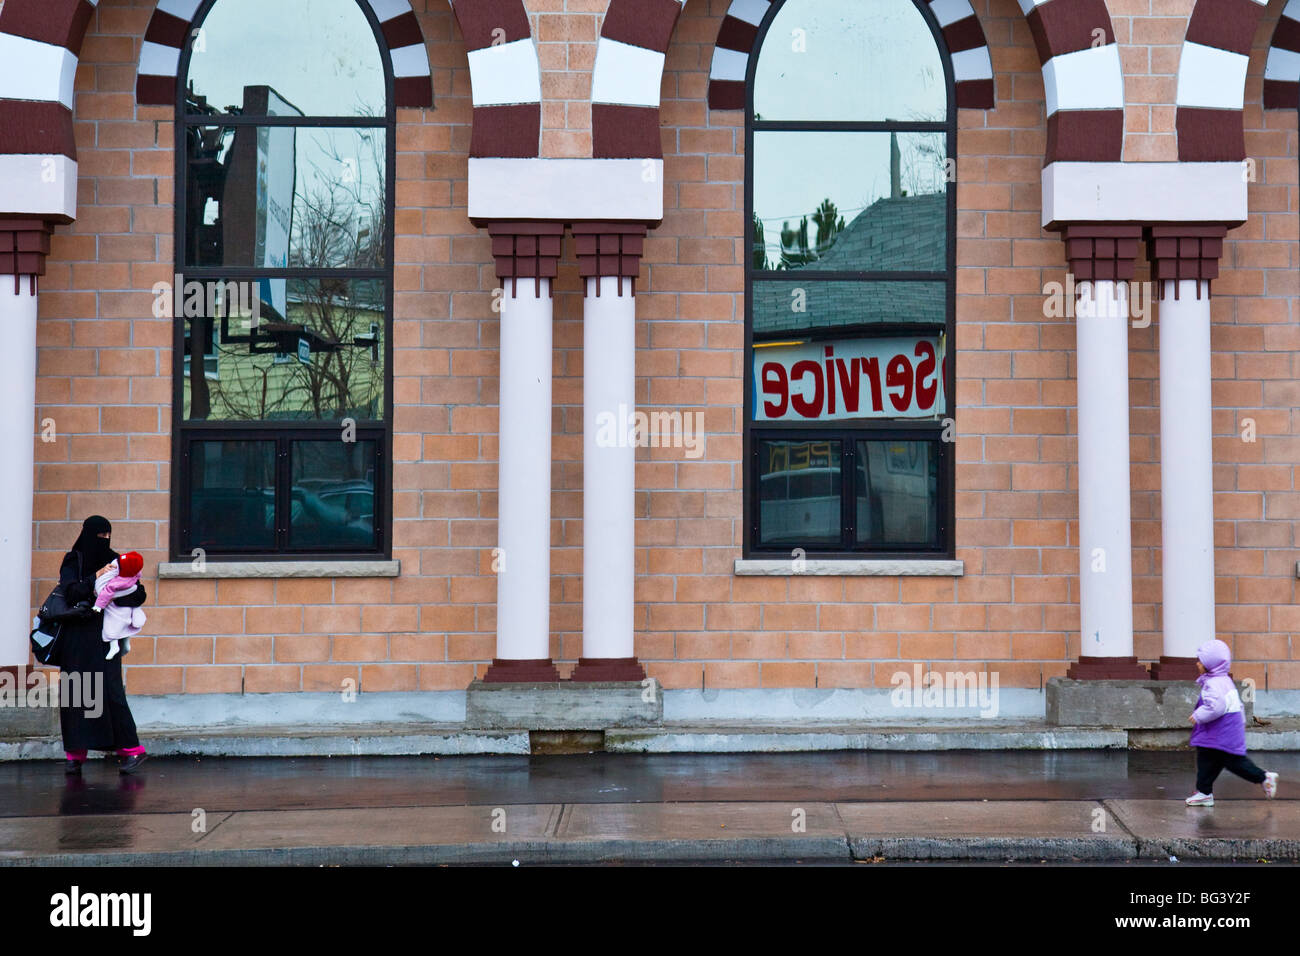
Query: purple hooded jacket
pixel 1220 717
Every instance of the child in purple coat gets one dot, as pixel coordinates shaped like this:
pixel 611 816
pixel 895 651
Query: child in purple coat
pixel 1220 734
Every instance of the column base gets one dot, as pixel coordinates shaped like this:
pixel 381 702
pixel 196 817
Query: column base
pixel 1175 668
pixel 608 669
pixel 1107 668
pixel 538 671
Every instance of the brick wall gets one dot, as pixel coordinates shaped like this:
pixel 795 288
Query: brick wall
pixel 105 380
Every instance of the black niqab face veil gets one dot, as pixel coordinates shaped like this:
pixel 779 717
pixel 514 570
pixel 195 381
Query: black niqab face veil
pixel 94 550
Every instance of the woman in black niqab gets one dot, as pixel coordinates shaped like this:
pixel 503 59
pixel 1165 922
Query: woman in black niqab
pixel 98 718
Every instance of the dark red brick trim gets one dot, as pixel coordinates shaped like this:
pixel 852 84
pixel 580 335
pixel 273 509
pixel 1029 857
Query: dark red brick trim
pixel 24 245
pixel 60 22
pixel 1190 251
pixel 610 249
pixel 1101 251
pixel 1107 668
pixel 526 250
pixel 539 671
pixel 591 669
pixel 36 127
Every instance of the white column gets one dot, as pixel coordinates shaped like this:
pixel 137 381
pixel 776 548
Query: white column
pixel 18 375
pixel 1186 467
pixel 608 468
pixel 1105 544
pixel 524 481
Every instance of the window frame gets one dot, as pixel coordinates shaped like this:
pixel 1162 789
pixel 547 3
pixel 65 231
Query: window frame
pixel 183 432
pixel 850 430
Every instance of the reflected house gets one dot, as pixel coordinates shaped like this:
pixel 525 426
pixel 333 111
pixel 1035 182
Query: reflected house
pixel 278 348
pixel 893 233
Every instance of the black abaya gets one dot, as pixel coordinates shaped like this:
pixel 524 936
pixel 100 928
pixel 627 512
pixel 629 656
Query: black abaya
pixel 82 650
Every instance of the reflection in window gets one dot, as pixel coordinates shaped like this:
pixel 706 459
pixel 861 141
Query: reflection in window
pixel 323 360
pixel 798 305
pixel 799 492
pixel 849 60
pixel 333 495
pixel 286 197
pixel 846 201
pixel 232 495
pixel 284 259
pixel 849 275
pixel 896 494
pixel 319 55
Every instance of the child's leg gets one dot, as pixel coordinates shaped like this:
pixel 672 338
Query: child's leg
pixel 1209 764
pixel 112 650
pixel 1244 767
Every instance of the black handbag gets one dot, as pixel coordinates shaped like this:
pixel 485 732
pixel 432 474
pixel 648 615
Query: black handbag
pixel 58 608
pixel 45 641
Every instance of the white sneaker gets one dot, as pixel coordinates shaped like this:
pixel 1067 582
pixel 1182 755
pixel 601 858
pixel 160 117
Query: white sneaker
pixel 1270 784
pixel 1199 799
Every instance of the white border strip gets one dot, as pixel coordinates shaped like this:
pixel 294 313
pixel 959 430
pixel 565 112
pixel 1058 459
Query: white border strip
pixel 877 568
pixel 566 189
pixel 626 75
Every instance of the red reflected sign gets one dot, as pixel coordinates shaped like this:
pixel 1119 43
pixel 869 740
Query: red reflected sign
pixel 858 378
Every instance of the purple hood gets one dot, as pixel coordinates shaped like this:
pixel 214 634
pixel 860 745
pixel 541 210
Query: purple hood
pixel 1216 658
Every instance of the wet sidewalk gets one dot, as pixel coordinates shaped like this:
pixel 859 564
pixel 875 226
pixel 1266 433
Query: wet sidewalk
pixel 608 808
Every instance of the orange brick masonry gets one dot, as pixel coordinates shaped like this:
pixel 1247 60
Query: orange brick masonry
pixel 104 379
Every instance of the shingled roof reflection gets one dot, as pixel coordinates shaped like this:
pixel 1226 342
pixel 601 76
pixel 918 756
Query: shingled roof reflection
pixel 906 233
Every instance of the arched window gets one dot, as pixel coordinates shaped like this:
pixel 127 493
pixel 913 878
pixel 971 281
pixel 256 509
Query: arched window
pixel 851 130
pixel 283 293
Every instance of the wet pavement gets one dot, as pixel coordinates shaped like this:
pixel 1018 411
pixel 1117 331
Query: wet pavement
pixel 614 807
pixel 32 788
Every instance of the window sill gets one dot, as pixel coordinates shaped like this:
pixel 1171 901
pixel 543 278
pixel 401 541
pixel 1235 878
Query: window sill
pixel 874 567
pixel 281 569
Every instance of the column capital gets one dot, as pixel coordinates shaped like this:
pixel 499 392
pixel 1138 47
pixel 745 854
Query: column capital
pixel 24 244
pixel 1101 250
pixel 526 250
pixel 610 250
pixel 1186 251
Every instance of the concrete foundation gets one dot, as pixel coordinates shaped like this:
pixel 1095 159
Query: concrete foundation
pixel 1127 704
pixel 563 705
pixel 29 721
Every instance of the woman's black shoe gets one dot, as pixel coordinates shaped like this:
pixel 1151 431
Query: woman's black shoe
pixel 71 767
pixel 132 764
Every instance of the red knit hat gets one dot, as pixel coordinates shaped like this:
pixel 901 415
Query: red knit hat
pixel 130 564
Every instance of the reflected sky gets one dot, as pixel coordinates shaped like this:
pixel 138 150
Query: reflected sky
pixel 320 55
pixel 795 171
pixel 853 60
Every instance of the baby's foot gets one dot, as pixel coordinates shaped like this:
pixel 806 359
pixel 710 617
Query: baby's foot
pixel 1199 799
pixel 126 645
pixel 112 650
pixel 1270 784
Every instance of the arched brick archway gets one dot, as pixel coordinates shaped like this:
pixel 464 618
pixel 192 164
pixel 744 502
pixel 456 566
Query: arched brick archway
pixel 1212 78
pixel 961 32
pixel 1282 70
pixel 1082 79
pixel 505 78
pixel 626 80
pixel 40 41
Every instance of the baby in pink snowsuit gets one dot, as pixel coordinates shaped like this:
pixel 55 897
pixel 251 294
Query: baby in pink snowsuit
pixel 120 623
